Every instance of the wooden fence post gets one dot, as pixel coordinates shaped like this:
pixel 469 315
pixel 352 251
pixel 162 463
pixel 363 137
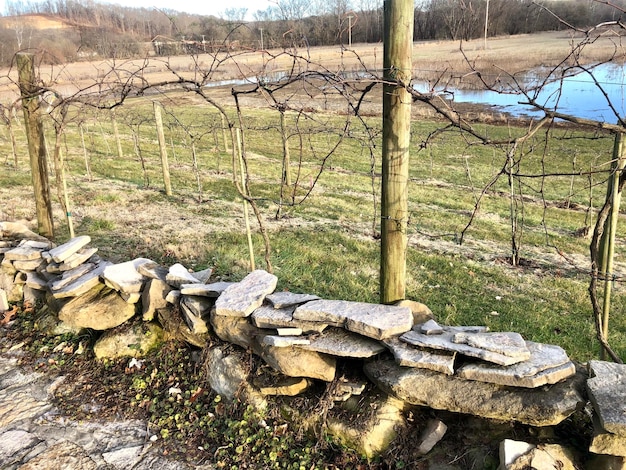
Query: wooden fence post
pixel 30 93
pixel 397 64
pixel 163 148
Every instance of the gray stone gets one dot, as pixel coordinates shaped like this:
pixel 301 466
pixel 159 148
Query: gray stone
pixel 153 297
pixel 23 253
pixel 173 297
pixel 126 457
pixel 199 305
pixel 63 455
pixel 179 275
pixel 212 290
pixel 15 444
pixel 39 245
pixel 548 364
pixel 410 356
pixel 431 327
pixel 537 407
pixel 339 342
pixel 506 343
pixel 242 298
pixel 444 342
pixel 605 442
pixel 285 341
pixel 372 320
pixel 35 281
pixel 77 259
pixel 124 277
pixel 296 362
pixel 153 270
pixel 100 309
pixel 195 323
pixel 130 340
pixel 28 265
pixel 71 275
pixel 62 252
pixel 434 432
pixel 268 317
pixel 203 276
pixel 607 392
pixel 236 330
pixel 227 376
pixel 33 296
pixel 18 231
pixel 83 284
pixel 289 299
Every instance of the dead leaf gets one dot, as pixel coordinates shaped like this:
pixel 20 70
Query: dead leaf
pixel 8 316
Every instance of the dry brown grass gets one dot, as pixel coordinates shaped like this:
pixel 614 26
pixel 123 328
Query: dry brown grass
pixel 512 54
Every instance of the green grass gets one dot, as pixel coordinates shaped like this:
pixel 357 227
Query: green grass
pixel 325 245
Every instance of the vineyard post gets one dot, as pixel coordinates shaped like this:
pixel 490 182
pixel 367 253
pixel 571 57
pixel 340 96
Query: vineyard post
pixel 398 46
pixel 30 93
pixel 163 147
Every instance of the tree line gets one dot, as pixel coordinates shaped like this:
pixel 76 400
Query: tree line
pixel 114 31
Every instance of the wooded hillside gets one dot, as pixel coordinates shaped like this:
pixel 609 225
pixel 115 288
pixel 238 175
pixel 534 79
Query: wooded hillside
pixel 91 29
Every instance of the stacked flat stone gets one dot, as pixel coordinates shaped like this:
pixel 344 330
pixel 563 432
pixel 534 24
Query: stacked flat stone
pixel 607 392
pixel 300 335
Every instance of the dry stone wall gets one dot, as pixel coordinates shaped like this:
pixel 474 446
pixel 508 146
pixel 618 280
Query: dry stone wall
pixel 403 350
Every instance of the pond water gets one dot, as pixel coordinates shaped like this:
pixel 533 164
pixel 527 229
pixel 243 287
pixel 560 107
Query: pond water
pixel 580 95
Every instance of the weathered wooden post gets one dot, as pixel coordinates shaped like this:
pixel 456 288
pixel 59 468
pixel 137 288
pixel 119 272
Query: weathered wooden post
pixel 397 63
pixel 163 148
pixel 30 93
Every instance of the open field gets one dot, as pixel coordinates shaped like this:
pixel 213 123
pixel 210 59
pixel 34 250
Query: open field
pixel 324 233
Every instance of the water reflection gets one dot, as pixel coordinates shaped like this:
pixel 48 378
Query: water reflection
pixel 581 95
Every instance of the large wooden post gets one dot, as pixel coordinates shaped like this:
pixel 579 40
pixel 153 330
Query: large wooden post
pixel 397 63
pixel 36 144
pixel 163 148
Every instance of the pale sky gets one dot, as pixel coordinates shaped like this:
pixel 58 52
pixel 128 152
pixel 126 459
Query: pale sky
pixel 206 7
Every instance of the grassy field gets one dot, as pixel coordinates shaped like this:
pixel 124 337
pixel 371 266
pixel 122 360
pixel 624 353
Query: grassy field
pixel 323 229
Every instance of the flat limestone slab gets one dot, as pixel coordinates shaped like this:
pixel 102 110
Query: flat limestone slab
pixel 342 343
pixel 70 276
pixel 212 290
pixel 83 284
pixel 548 364
pixel 242 298
pixel 124 277
pixel 23 253
pixel 270 317
pixel 179 275
pixel 289 299
pixel 410 356
pixel 77 259
pixel 35 281
pixel 372 320
pixel 546 406
pixel 444 342
pixel 506 343
pixel 62 252
pixel 607 392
